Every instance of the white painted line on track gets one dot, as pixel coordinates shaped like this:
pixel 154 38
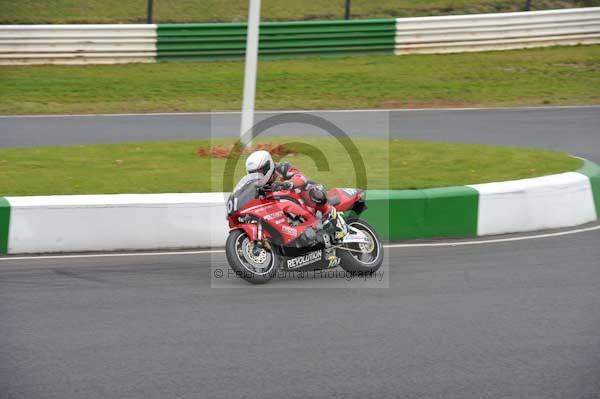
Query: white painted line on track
pixel 309 111
pixel 492 241
pixel 219 251
pixel 113 255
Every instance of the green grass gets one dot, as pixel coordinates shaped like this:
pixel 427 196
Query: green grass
pixel 559 75
pixel 132 11
pixel 173 166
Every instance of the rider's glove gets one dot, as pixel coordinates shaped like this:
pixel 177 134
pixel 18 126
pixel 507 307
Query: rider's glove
pixel 278 186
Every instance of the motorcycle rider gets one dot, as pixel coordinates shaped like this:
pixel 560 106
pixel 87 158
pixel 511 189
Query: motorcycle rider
pixel 283 176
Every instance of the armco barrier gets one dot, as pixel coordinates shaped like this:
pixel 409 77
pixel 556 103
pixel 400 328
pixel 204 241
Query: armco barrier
pixel 277 39
pixel 462 33
pixel 88 44
pixel 161 221
pixel 77 44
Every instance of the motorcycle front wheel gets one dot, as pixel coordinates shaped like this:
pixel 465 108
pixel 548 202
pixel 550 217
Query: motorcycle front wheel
pixel 363 257
pixel 254 264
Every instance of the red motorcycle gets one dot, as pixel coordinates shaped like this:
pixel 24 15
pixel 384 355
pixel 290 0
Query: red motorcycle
pixel 272 229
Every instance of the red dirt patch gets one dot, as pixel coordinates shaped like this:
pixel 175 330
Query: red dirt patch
pixel 220 151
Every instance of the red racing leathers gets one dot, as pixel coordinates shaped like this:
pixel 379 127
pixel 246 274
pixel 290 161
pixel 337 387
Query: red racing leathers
pixel 286 173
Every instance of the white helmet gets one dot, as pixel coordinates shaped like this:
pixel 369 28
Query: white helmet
pixel 261 162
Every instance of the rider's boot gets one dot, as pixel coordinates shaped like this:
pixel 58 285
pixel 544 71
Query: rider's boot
pixel 335 219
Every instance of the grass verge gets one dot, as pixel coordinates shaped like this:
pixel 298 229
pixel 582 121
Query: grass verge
pixel 132 11
pixel 174 166
pixel 560 75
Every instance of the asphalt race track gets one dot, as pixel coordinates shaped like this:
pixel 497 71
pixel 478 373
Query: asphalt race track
pixel 518 319
pixel 497 320
pixel 572 129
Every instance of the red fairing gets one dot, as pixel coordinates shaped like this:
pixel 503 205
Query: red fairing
pixel 274 214
pixel 347 198
pixel 270 215
pixel 250 229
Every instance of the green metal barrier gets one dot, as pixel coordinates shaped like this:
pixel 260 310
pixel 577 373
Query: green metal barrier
pixel 277 39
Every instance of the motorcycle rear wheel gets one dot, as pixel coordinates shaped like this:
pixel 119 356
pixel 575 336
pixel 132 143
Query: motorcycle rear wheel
pixel 370 259
pixel 255 268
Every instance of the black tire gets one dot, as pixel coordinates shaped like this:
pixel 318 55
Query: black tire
pixel 245 270
pixel 350 262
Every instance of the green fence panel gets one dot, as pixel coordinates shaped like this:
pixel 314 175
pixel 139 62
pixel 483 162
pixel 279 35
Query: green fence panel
pixel 409 214
pixel 592 171
pixel 4 224
pixel 277 39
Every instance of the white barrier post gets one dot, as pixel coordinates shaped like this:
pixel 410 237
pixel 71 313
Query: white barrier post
pixel 250 72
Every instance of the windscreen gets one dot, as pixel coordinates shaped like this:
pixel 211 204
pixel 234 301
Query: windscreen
pixel 243 192
pixel 249 179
